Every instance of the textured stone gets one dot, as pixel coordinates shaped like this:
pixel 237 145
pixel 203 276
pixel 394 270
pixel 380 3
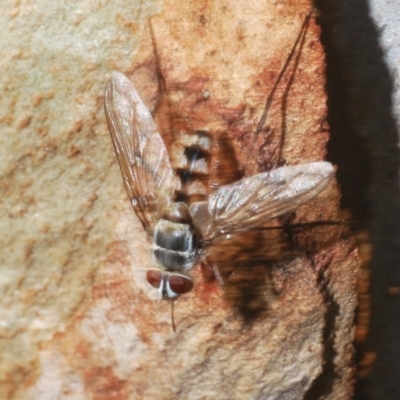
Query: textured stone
pixel 78 318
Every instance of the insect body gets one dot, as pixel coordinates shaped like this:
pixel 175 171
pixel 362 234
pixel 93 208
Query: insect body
pixel 181 231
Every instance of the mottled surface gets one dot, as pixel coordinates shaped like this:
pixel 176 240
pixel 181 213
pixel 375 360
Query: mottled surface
pixel 77 318
pixel 362 50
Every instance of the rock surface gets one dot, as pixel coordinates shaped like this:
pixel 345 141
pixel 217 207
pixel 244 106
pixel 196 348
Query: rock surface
pixel 77 318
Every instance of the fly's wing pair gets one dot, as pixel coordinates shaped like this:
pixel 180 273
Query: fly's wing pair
pixel 141 153
pixel 231 209
pixel 250 202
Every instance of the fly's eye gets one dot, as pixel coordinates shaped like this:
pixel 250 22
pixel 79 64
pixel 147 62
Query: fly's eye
pixel 180 284
pixel 154 277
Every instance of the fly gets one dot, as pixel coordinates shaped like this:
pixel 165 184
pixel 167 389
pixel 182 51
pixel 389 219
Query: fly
pixel 183 229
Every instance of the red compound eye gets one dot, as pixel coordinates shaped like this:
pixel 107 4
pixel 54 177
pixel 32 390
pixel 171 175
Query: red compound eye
pixel 154 277
pixel 180 284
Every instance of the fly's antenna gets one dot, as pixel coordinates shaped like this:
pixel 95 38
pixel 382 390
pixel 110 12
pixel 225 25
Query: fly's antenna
pixel 300 39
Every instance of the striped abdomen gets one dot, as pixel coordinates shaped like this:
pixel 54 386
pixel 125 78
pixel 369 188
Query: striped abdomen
pixel 175 240
pixel 203 163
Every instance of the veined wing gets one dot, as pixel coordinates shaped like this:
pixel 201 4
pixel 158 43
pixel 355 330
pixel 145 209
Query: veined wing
pixel 141 152
pixel 250 202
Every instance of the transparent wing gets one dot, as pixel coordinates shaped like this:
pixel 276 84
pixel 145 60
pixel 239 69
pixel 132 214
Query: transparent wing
pixel 250 202
pixel 141 152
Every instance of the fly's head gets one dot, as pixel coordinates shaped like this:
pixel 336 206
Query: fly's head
pixel 170 285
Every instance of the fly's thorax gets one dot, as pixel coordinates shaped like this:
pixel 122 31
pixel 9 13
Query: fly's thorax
pixel 174 239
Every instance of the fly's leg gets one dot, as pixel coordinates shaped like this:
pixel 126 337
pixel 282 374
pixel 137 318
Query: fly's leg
pixel 211 271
